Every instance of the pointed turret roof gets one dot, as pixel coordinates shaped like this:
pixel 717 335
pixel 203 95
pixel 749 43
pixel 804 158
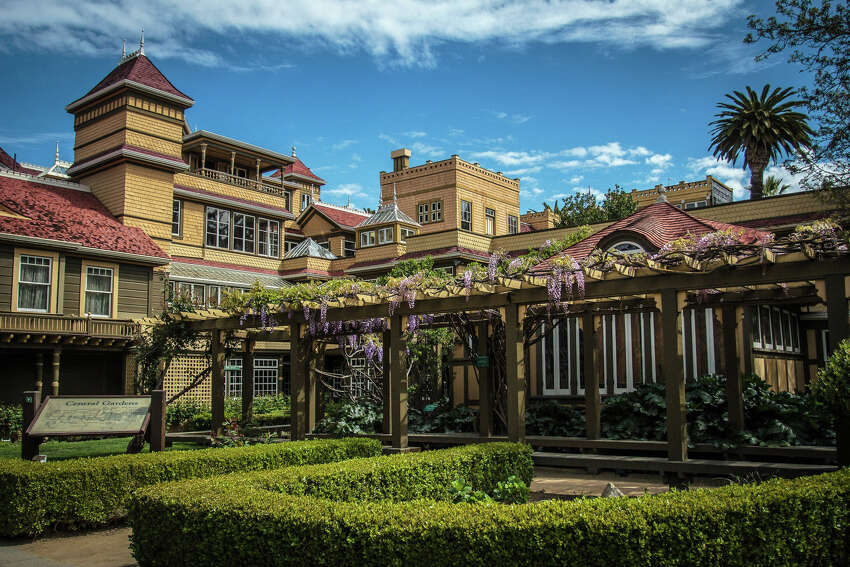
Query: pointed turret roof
pixel 298 169
pixel 308 247
pixel 138 71
pixel 389 213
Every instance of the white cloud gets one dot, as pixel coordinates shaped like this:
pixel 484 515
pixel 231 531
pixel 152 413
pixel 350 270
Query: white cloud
pixel 427 150
pixel 415 134
pixel 347 190
pixel 409 34
pixel 524 171
pixel 660 161
pixel 575 180
pixel 37 138
pixel 738 178
pixel 343 144
pixel 390 139
pixel 518 118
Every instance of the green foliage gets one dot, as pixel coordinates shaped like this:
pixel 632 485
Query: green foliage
pixel 511 491
pixel 762 128
pixel 93 492
pixel 770 418
pixel 441 417
pixel 193 415
pixel 774 186
pixel 348 417
pixel 371 512
pixel 406 268
pixel 584 208
pixel 427 368
pixel 462 493
pixel 549 417
pixel 549 248
pixel 832 388
pixel 817 35
pixel 11 421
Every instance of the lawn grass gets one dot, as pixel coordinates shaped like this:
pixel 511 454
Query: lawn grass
pixel 63 450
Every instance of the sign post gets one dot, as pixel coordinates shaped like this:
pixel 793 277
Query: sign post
pixel 29 445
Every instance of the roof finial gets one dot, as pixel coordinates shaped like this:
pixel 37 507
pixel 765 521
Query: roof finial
pixel 123 49
pixel 293 151
pixel 57 150
pixel 349 201
pixel 142 43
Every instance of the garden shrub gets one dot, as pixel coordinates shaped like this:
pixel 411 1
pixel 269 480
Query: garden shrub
pixel 90 492
pixel 351 418
pixel 442 417
pixel 549 417
pixel 193 415
pixel 832 387
pixel 11 421
pixel 276 518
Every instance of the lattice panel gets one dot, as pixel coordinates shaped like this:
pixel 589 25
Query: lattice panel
pixel 180 374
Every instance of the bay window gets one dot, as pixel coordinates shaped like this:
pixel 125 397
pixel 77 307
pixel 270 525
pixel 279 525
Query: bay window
pixel 385 235
pixel 367 238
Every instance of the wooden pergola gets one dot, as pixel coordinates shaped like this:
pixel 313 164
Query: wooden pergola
pixel 739 280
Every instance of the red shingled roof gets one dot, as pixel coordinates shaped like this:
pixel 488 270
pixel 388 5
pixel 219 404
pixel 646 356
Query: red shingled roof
pixel 659 224
pixel 138 69
pixel 344 218
pixel 8 161
pixel 298 168
pixel 69 215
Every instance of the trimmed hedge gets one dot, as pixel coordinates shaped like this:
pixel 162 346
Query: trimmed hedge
pixel 255 519
pixel 91 492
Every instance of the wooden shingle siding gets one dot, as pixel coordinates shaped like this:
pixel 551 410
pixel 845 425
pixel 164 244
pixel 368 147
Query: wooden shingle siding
pixel 73 282
pixel 133 291
pixel 7 278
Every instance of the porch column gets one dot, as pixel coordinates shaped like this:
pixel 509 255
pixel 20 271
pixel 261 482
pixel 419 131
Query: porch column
pixel 248 380
pixel 485 412
pixel 217 381
pixel 39 374
pixel 674 378
pixel 232 163
pixel 203 156
pixel 387 385
pixel 734 387
pixel 836 308
pixel 57 353
pixel 298 383
pixel 398 385
pixel 592 401
pixel 514 375
pixel 259 181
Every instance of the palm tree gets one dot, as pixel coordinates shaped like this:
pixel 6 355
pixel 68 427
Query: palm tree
pixel 774 186
pixel 762 127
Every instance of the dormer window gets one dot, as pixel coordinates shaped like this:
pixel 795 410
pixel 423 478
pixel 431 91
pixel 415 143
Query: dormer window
pixel 627 247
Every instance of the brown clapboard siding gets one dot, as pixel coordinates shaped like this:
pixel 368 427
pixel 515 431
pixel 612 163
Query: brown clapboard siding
pixel 133 291
pixel 7 260
pixel 73 281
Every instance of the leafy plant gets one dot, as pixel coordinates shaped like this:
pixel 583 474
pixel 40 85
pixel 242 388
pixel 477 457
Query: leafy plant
pixel 11 421
pixel 511 491
pixel 548 417
pixel 351 418
pixel 832 388
pixel 441 417
pixel 462 492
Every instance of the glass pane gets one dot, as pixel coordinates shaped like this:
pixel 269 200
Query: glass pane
pixel 776 318
pixel 98 303
pixel 33 296
pixel 766 334
pixel 754 313
pixel 97 280
pixel 35 274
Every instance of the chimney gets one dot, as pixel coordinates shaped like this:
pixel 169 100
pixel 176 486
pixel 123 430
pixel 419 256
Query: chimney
pixel 401 159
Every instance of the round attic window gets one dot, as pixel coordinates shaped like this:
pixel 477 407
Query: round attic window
pixel 627 247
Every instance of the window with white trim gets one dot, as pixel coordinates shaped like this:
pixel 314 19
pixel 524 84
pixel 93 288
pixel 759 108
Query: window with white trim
pixel 349 247
pixel 34 281
pixel 218 228
pixel 268 238
pixel 385 235
pixel 436 211
pixel 177 217
pixel 465 215
pixel 775 329
pixel 98 302
pixel 405 232
pixel 306 199
pixel 233 377
pixel 423 213
pixel 513 224
pixel 367 238
pixel 289 245
pixel 243 232
pixel 627 247
pixel 490 221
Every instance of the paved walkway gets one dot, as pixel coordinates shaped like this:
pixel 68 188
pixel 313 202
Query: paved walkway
pixel 109 547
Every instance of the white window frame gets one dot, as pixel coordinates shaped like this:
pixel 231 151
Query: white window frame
pixel 266 375
pixel 405 232
pixel 219 225
pixel 49 283
pixel 755 312
pixel 631 246
pixel 423 213
pixel 234 378
pixel 177 217
pixel 436 211
pixel 367 238
pixel 268 239
pixel 465 215
pixel 490 221
pixel 110 293
pixel 244 243
pixel 385 235
pixel 289 245
pixel 306 199
pixel 513 224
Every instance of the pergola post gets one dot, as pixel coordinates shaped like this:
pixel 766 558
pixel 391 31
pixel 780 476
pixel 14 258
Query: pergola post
pixel 217 381
pixel 747 340
pixel 312 389
pixel 514 375
pixel 248 381
pixel 734 387
pixel 398 386
pixel 387 384
pixel 592 401
pixel 485 412
pixel 298 383
pixel 836 308
pixel 674 378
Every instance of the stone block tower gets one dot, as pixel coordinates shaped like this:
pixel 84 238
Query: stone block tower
pixel 128 145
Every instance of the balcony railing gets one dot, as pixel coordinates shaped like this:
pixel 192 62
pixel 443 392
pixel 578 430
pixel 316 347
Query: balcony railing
pixel 263 186
pixel 59 325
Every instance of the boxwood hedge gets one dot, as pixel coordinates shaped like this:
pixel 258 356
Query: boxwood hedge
pixel 392 511
pixel 94 491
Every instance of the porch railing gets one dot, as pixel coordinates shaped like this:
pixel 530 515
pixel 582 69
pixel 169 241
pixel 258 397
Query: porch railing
pixel 262 186
pixel 60 325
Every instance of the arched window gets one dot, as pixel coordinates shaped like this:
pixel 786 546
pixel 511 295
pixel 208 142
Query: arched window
pixel 627 247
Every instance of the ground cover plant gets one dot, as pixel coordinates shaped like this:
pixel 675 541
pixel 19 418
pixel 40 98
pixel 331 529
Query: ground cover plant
pixel 80 493
pixel 398 511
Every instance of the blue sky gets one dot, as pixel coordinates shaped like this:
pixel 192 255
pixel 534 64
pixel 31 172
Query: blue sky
pixel 568 96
